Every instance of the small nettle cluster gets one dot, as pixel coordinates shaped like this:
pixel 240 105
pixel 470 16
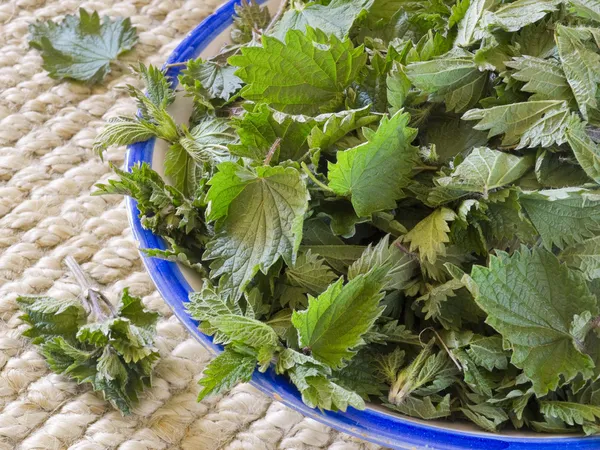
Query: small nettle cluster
pixel 391 201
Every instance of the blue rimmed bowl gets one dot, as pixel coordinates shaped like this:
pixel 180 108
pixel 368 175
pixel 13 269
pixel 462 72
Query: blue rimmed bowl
pixel 373 424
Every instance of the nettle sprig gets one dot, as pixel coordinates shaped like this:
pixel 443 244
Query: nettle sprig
pixel 92 341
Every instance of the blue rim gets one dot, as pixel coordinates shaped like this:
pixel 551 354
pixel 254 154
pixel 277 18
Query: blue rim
pixel 379 427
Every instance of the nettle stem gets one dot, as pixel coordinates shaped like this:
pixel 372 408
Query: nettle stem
pixel 94 301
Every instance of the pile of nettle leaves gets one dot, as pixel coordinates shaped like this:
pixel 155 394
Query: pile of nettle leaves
pixel 392 201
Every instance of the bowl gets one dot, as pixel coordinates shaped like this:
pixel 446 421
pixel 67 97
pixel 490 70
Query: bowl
pixel 374 424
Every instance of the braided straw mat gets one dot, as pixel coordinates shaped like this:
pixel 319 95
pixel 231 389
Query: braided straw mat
pixel 47 169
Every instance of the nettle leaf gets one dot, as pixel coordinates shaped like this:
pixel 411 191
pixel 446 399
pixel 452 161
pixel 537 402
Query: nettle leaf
pixel 337 125
pixel 424 408
pixel 570 412
pixel 468 27
pixel 216 80
pixel 514 16
pixel 207 142
pixel 586 151
pixel 448 304
pixel 457 78
pixel 536 40
pixel 589 9
pixel 485 169
pixel 542 77
pixel 249 16
pixel 335 18
pixel 312 71
pixel 182 169
pixel 225 371
pixel 374 173
pixel 334 323
pixel 531 300
pixel 82 48
pixel 553 170
pixel 319 392
pixel 563 216
pixel 524 124
pixel 401 266
pixel 260 128
pixel 581 66
pixel 430 234
pixel 464 137
pixel 264 216
pixel 584 256
pixel 488 352
pixel 311 273
pixel 49 316
pixel 133 309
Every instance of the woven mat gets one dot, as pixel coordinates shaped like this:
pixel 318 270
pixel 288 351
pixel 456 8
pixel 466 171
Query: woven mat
pixel 47 169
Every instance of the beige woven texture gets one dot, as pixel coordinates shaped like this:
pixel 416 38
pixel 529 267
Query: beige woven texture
pixel 47 169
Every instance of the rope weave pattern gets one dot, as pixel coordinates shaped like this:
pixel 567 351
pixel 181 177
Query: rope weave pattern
pixel 47 169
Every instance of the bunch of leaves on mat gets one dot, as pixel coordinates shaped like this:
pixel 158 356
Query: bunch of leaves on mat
pixel 82 48
pixel 394 202
pixel 94 342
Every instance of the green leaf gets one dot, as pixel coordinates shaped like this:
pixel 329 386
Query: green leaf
pixel 359 376
pixel 374 173
pixel 569 412
pixel 260 128
pixel 589 9
pixel 81 48
pixel 225 371
pixel 467 31
pixel 586 151
pixel 423 408
pixel 552 170
pixel 207 142
pixel 448 305
pixel 182 169
pixel 563 216
pixel 581 66
pixel 400 266
pixel 584 256
pixel 248 332
pixel 311 273
pixel 531 299
pixel 319 392
pixel 457 78
pixel 398 87
pixel 464 137
pixel 336 18
pixel 488 352
pixel 249 16
pixel 334 323
pixel 542 77
pixel 514 16
pixel 516 119
pixel 158 86
pixel 132 308
pixel 265 211
pixel 485 169
pixel 49 316
pixel 64 358
pixel 133 343
pixel 214 80
pixel 430 234
pixel 388 365
pixel 536 40
pixel 311 71
pixel 338 125
pixel 124 131
pixel 485 416
pixel 427 374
